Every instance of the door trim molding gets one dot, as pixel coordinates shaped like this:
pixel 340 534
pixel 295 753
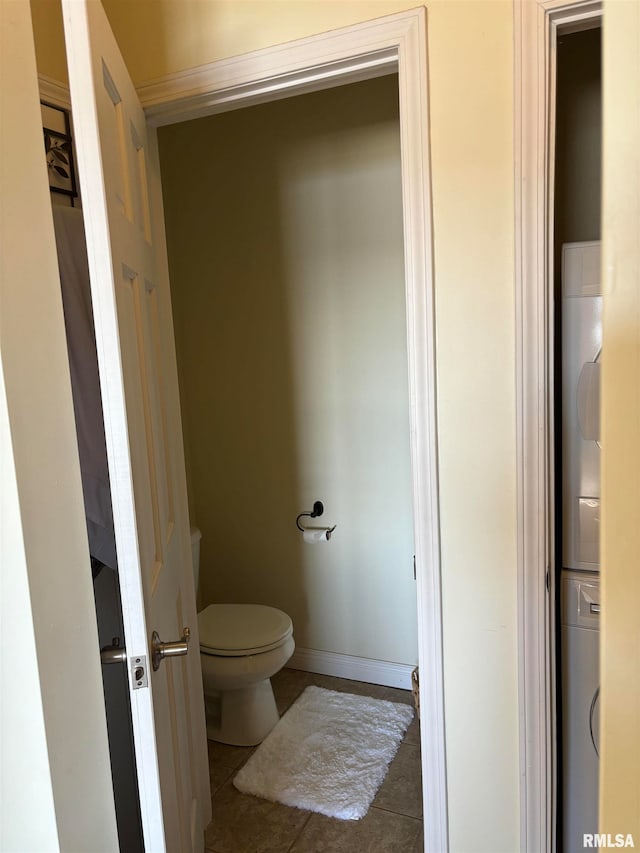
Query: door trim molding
pixel 382 46
pixel 358 52
pixel 54 92
pixel 536 27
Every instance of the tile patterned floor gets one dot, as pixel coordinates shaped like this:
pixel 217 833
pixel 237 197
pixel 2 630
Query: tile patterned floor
pixel 246 824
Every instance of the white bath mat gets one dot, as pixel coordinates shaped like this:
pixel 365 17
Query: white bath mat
pixel 329 753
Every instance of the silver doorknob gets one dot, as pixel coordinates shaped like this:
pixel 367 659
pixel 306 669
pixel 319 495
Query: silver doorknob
pixel 160 650
pixel 115 653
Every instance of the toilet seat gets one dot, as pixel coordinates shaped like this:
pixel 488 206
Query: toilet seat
pixel 239 630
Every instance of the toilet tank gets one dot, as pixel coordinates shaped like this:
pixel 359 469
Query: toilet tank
pixel 196 536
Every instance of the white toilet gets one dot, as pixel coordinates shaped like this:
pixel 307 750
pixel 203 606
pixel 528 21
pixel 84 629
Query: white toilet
pixel 241 647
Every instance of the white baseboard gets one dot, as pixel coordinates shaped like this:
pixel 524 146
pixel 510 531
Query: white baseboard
pixel 357 669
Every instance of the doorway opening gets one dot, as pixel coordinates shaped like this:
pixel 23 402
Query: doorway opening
pixel 285 245
pixel 87 404
pixel 363 52
pixel 577 356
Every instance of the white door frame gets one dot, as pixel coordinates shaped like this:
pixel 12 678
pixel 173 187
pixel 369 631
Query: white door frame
pixel 536 28
pixel 374 48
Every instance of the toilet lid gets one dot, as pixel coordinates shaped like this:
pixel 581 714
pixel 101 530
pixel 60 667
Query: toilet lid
pixel 235 630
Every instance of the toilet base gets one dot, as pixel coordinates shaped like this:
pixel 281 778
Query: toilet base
pixel 241 717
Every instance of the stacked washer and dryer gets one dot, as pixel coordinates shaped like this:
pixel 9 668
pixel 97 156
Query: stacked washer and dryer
pixel 581 324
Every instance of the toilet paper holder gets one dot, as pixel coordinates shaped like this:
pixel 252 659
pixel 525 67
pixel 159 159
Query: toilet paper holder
pixel 318 509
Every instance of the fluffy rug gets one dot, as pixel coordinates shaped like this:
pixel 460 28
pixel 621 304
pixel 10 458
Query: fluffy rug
pixel 329 753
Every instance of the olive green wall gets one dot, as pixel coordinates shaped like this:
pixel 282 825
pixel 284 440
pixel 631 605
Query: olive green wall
pixel 578 162
pixel 284 229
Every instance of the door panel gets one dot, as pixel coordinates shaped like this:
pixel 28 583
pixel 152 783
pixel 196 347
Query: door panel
pixel 119 177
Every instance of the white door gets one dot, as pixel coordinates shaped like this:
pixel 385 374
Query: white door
pixel 121 197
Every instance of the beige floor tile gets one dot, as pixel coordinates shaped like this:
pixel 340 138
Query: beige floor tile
pixel 218 775
pixel 395 694
pixel 401 791
pixel 377 832
pixel 287 685
pixel 228 756
pixel 418 847
pixel 412 735
pixel 346 685
pixel 245 824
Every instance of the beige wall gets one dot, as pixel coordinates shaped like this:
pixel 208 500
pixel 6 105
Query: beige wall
pixel 54 752
pixel 284 228
pixel 471 112
pixel 48 33
pixel 185 33
pixel 620 638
